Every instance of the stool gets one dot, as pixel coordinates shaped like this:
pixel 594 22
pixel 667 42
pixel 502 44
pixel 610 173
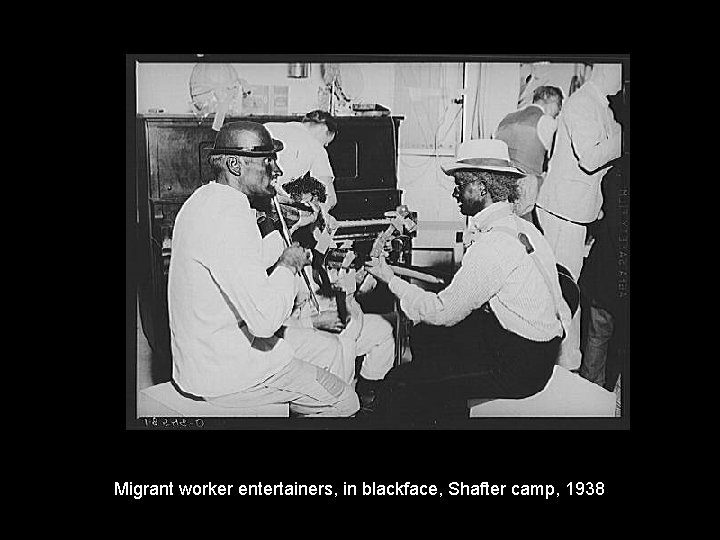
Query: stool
pixel 164 400
pixel 566 394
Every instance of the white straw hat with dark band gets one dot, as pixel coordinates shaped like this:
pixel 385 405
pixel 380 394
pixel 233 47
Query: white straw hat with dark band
pixel 482 154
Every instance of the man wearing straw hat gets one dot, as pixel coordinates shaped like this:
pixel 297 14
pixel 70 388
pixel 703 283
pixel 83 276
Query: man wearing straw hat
pixel 226 309
pixel 495 331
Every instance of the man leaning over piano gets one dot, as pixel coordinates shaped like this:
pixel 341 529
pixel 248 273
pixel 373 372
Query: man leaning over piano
pixel 304 152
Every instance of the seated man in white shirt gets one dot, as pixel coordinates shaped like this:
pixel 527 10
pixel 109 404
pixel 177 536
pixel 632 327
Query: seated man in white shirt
pixel 364 335
pixel 225 307
pixel 494 332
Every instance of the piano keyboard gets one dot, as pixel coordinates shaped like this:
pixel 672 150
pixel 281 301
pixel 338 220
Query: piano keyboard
pixel 363 222
pixel 360 229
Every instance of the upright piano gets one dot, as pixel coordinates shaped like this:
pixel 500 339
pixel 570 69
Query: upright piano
pixel 171 157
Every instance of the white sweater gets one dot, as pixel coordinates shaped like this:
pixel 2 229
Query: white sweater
pixel 496 268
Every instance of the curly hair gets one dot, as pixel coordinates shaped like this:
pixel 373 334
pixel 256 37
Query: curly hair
pixel 306 185
pixel 501 186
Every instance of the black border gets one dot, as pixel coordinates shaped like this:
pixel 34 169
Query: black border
pixel 496 450
pixel 346 424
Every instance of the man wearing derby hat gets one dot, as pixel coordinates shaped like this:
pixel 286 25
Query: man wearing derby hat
pixel 225 307
pixel 495 331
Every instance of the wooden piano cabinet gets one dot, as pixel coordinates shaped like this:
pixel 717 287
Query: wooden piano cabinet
pixel 364 153
pixel 361 204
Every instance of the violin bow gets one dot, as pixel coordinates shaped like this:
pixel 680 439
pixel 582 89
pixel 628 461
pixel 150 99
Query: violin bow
pixel 288 242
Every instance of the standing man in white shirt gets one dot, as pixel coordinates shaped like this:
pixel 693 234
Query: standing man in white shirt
pixel 304 151
pixel 226 308
pixel 529 134
pixel 588 140
pixel 495 331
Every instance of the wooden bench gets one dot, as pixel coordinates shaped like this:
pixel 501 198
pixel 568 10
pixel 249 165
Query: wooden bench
pixel 164 400
pixel 566 394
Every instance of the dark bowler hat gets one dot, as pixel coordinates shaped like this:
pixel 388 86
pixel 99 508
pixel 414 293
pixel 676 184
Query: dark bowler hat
pixel 245 139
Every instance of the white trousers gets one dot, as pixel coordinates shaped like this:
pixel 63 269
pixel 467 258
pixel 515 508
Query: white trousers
pixel 321 349
pixel 567 240
pixel 377 345
pixel 336 353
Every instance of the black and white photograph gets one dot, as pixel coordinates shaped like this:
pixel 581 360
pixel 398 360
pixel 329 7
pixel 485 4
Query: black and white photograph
pixel 378 242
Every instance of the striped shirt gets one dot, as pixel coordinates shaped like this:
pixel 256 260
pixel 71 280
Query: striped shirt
pixel 498 270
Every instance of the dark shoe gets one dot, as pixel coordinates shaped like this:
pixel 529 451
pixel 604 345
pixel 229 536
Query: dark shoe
pixel 365 413
pixel 367 391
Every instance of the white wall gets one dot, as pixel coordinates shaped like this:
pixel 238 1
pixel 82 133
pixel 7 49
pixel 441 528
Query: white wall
pixel 555 74
pixel 166 86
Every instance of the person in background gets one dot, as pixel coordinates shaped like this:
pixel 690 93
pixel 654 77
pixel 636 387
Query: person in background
pixel 606 332
pixel 226 307
pixel 588 140
pixel 495 331
pixel 529 134
pixel 304 152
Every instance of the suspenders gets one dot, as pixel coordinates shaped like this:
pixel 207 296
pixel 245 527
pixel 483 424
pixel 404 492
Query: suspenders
pixel 530 250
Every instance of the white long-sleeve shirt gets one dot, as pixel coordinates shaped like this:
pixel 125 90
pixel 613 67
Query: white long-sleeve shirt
pixel 588 138
pixel 224 309
pixel 496 268
pixel 302 153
